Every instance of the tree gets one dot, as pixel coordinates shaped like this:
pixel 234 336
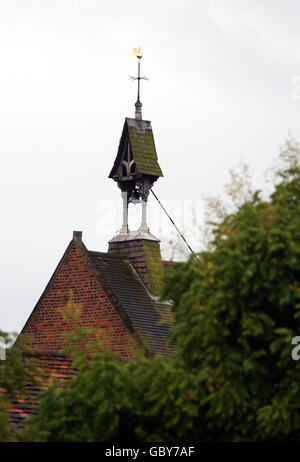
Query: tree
pixel 237 310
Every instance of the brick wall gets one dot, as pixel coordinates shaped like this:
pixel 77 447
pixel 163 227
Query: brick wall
pixel 75 282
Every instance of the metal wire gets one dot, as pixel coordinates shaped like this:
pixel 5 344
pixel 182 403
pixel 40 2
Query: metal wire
pixel 172 221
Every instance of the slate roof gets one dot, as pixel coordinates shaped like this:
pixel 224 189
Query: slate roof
pixel 145 314
pixel 140 135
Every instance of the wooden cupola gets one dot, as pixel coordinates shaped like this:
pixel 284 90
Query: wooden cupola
pixel 136 167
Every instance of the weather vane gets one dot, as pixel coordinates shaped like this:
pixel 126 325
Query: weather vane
pixel 138 52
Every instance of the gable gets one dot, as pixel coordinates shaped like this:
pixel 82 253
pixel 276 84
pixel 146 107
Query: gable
pixel 46 326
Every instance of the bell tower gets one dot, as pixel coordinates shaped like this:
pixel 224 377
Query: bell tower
pixel 135 170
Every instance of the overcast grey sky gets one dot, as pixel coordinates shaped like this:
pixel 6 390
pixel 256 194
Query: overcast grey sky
pixel 220 92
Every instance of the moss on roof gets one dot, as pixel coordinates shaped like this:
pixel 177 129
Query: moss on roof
pixel 154 265
pixel 139 134
pixel 144 151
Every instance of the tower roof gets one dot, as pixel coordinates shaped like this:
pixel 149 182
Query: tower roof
pixel 137 136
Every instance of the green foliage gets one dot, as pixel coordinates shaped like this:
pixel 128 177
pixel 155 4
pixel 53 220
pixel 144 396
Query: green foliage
pixel 109 400
pixel 237 310
pixel 5 426
pixel 83 412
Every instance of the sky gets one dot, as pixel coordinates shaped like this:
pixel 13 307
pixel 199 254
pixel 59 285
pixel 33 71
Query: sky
pixel 224 88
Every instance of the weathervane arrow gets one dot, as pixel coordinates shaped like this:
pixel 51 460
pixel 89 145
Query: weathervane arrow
pixel 138 52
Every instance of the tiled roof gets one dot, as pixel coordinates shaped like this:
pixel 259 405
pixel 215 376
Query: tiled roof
pixel 145 314
pixel 50 365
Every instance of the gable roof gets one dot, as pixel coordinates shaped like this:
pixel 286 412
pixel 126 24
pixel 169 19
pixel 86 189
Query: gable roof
pixel 139 134
pixel 139 311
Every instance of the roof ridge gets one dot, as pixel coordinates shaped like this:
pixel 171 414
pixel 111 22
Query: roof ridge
pixel 107 254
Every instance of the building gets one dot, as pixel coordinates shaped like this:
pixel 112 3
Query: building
pixel 115 292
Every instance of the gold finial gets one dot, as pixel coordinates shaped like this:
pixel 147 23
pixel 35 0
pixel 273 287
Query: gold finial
pixel 138 52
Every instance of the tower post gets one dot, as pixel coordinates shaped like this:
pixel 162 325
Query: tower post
pixel 144 226
pixel 124 229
